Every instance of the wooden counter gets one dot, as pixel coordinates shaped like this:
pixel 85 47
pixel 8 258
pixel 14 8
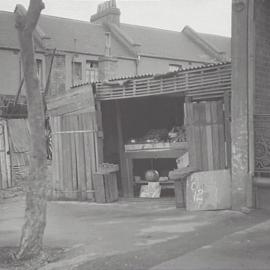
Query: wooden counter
pixel 154 153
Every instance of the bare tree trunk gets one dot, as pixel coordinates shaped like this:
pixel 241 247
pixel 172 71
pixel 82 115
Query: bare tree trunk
pixel 35 212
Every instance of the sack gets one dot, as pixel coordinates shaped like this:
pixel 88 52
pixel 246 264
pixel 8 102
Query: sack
pixel 152 190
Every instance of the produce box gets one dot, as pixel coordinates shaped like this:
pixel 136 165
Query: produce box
pixel 160 145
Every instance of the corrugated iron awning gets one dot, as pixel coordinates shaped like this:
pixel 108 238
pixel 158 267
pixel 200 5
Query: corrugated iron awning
pixel 206 81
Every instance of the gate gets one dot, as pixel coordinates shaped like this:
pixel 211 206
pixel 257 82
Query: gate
pixel 208 135
pixel 75 145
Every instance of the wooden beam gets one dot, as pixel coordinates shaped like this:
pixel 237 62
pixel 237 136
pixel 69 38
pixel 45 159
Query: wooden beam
pixel 126 187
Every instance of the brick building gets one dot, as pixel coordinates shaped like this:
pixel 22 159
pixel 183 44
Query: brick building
pixel 103 48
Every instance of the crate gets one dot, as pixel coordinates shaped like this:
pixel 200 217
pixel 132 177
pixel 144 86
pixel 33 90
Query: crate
pixel 105 186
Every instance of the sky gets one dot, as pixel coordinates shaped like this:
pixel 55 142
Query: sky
pixel 206 16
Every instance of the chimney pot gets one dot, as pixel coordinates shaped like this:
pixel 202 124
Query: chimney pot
pixel 107 12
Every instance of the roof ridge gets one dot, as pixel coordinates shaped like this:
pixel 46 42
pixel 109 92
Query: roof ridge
pixel 209 48
pixel 175 31
pixel 58 17
pixel 6 11
pixel 70 19
pixel 149 27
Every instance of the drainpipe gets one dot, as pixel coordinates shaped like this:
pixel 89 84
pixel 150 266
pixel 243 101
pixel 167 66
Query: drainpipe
pixel 137 62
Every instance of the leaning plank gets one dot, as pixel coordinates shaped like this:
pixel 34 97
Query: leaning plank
pixel 8 159
pixel 2 158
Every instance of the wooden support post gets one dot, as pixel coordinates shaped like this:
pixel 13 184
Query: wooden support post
pixel 126 187
pixel 99 134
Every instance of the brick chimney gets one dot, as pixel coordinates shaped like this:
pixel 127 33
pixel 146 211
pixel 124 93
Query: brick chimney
pixel 107 12
pixel 107 64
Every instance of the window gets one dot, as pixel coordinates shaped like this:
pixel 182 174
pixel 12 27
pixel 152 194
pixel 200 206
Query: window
pixel 40 72
pixel 173 67
pixel 77 73
pixel 91 71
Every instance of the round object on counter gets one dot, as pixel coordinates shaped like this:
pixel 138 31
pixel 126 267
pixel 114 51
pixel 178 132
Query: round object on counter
pixel 152 176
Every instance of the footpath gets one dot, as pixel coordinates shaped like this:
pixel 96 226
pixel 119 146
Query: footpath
pixel 140 235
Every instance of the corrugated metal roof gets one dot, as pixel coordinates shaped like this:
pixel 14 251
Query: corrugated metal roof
pixel 206 81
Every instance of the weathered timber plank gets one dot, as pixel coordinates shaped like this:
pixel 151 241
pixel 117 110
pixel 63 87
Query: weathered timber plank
pixel 7 151
pixel 67 166
pixel 215 139
pixel 81 164
pixel 72 124
pixel 87 153
pixel 203 137
pixel 221 136
pixel 209 138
